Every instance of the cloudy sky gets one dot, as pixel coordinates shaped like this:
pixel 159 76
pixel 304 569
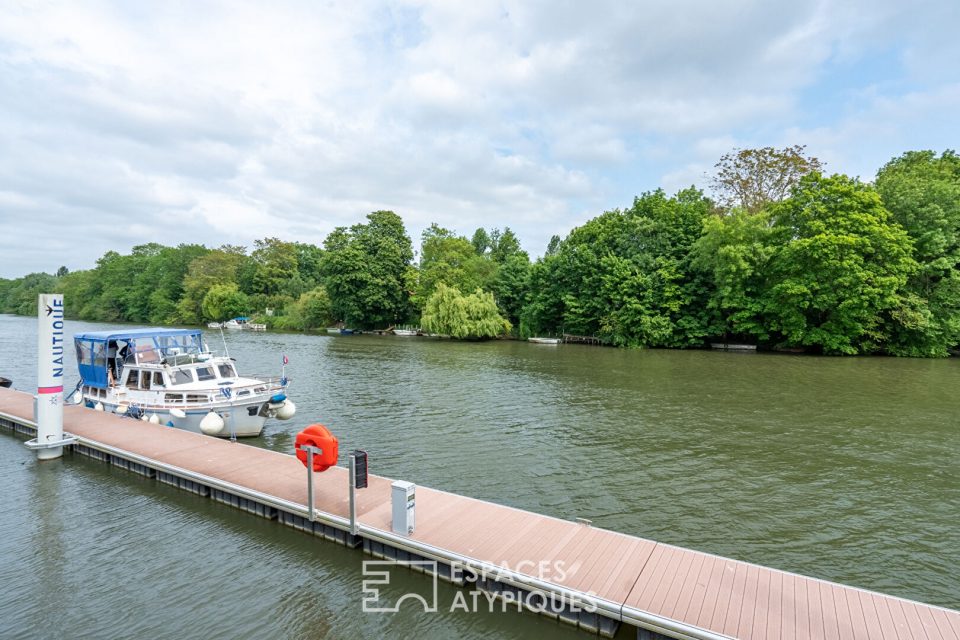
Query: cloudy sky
pixel 127 122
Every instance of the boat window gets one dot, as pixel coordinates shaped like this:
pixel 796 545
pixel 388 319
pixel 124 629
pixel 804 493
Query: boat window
pixel 226 371
pixel 173 397
pixel 100 355
pixel 205 373
pixel 146 353
pixel 84 352
pixel 157 381
pixel 197 398
pixel 182 376
pixel 133 379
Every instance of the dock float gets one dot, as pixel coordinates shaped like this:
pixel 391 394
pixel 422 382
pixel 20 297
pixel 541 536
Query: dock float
pixel 661 590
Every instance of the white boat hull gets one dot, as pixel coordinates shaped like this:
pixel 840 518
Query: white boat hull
pixel 545 340
pixel 237 420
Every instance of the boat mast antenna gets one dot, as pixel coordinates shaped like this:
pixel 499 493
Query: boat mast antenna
pixel 226 351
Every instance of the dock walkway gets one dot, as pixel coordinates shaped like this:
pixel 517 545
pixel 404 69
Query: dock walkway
pixel 658 588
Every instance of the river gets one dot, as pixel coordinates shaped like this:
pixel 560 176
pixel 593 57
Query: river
pixel 846 469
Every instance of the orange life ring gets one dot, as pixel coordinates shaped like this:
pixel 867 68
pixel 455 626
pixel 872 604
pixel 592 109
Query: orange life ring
pixel 318 436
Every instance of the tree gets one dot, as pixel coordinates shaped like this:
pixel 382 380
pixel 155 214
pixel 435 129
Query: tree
pixel 507 245
pixel 276 270
pixel 553 246
pixel 224 301
pixel 365 271
pixel 309 261
pixel 734 253
pixel 510 285
pixel 448 312
pixel 451 260
pixel 218 267
pixel 839 266
pixel 480 241
pixel 315 309
pixel 62 271
pixel 754 178
pixel 625 276
pixel 20 295
pixel 922 192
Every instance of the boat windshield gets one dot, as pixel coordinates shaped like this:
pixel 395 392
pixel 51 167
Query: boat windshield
pixel 101 355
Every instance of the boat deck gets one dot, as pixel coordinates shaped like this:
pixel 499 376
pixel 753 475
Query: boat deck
pixel 674 591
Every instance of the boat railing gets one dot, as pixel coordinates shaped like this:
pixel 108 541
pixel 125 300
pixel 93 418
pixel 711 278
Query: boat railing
pixel 262 389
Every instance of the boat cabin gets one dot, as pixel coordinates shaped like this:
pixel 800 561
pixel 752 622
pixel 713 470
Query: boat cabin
pixel 146 377
pixel 105 357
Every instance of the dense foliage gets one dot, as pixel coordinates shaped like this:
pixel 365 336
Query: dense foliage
pixel 783 256
pixel 450 313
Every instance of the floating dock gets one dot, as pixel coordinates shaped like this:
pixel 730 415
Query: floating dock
pixel 661 590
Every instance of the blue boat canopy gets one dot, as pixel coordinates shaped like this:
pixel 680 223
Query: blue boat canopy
pixel 100 354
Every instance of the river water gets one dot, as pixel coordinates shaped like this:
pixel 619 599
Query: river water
pixel 846 469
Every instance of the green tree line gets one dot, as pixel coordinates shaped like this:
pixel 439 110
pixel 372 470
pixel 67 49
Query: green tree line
pixel 781 254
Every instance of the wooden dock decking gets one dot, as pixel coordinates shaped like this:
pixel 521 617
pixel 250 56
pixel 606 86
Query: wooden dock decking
pixel 673 591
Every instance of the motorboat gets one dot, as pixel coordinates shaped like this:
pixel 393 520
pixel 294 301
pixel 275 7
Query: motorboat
pixel 235 323
pixel 169 376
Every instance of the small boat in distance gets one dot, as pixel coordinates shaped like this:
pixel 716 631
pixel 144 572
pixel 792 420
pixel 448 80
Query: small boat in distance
pixel 544 340
pixel 406 332
pixel 236 323
pixel 214 325
pixel 169 376
pixel 730 346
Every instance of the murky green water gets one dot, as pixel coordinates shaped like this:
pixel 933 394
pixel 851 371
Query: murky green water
pixel 845 469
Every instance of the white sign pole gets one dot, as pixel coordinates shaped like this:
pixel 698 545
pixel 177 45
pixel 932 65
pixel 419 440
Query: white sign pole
pixel 51 347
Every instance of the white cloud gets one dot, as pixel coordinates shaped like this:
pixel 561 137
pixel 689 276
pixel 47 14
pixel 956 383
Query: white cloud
pixel 223 122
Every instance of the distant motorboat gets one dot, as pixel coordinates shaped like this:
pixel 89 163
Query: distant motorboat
pixel 729 346
pixel 235 323
pixel 341 331
pixel 544 340
pixel 253 326
pixel 214 325
pixel 406 332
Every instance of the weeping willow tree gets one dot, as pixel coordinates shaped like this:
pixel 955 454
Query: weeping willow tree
pixel 449 312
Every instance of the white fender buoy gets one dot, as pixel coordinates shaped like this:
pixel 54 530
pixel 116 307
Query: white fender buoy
pixel 98 406
pixel 154 419
pixel 143 417
pixel 179 414
pixel 121 409
pixel 287 410
pixel 211 424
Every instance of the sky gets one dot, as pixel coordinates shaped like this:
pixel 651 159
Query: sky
pixel 123 123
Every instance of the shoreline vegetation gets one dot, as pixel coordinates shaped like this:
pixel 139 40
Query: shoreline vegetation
pixel 782 256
